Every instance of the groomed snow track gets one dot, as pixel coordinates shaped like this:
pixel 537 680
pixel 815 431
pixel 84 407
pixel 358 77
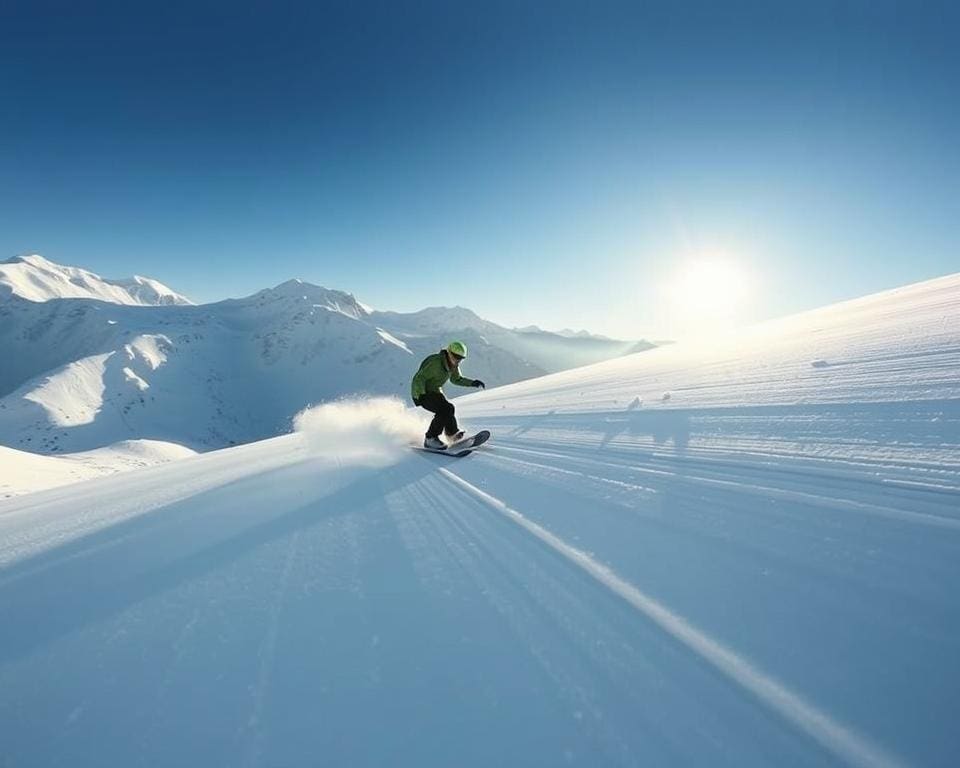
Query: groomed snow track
pixel 260 606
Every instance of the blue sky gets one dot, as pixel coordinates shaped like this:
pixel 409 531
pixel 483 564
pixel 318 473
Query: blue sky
pixel 553 163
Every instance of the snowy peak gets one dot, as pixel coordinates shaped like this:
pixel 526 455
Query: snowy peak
pixel 455 317
pixel 35 278
pixel 567 333
pixel 299 294
pixel 584 334
pixel 438 319
pixel 149 291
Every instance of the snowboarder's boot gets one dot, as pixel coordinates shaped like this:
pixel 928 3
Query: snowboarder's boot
pixel 434 444
pixel 456 437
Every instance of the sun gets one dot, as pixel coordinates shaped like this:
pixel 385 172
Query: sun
pixel 708 294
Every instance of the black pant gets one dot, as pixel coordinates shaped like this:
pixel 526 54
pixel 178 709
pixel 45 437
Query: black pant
pixel 444 419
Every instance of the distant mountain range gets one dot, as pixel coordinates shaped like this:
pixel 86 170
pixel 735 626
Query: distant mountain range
pixel 89 362
pixel 565 332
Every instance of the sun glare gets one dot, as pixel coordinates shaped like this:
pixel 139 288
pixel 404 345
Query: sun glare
pixel 707 295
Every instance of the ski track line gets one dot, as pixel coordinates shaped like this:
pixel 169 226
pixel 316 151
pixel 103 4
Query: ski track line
pixel 746 454
pixel 754 489
pixel 179 649
pixel 268 652
pixel 803 467
pixel 483 562
pixel 839 740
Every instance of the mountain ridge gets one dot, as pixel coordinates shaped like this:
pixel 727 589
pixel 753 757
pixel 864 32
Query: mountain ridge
pixel 35 278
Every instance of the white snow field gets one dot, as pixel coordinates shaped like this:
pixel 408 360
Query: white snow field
pixel 25 472
pixel 741 555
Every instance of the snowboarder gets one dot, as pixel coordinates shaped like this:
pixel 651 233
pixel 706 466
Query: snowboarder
pixel 434 372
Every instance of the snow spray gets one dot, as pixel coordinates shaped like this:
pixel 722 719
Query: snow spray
pixel 367 430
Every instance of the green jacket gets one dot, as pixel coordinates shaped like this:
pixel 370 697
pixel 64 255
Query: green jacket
pixel 433 374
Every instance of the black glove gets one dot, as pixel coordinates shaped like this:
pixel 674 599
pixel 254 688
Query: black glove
pixel 479 384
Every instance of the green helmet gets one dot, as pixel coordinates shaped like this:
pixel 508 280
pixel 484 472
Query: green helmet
pixel 457 348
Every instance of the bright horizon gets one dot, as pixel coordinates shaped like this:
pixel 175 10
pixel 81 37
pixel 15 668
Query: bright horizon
pixel 635 172
pixel 698 312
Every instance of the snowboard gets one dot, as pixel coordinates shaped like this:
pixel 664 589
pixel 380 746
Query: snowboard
pixel 470 441
pixel 462 447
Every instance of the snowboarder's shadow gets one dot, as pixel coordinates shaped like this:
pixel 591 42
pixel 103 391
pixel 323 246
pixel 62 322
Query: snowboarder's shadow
pixel 532 422
pixel 664 426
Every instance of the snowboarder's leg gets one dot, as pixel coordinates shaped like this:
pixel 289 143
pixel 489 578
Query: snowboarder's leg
pixel 450 423
pixel 444 419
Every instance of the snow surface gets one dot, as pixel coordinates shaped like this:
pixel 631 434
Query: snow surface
pixel 759 569
pixel 25 472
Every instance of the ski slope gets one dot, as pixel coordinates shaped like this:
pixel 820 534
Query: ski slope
pixel 739 555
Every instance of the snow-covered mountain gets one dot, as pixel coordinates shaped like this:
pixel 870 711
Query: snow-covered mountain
pixel 743 554
pixel 569 333
pixel 37 279
pixel 85 372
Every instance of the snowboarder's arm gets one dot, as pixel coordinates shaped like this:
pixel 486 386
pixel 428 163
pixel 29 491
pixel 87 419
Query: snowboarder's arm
pixel 460 381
